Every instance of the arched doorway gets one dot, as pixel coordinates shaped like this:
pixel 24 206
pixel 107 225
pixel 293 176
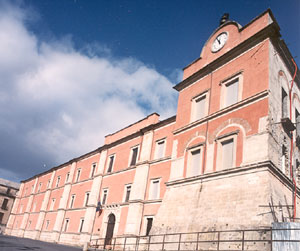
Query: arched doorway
pixel 110 229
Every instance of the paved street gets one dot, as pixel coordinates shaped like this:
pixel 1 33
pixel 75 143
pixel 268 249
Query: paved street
pixel 10 243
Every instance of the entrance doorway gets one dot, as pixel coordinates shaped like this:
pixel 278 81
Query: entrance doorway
pixel 110 229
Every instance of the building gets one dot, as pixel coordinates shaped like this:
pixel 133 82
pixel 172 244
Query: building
pixel 8 192
pixel 223 162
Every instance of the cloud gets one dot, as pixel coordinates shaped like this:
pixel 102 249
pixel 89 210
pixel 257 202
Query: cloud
pixel 57 102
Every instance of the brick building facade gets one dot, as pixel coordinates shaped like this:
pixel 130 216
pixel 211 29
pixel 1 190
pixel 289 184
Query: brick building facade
pixel 218 164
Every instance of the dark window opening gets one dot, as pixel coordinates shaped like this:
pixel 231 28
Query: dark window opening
pixel 111 162
pixel 1 217
pixel 134 156
pixel 4 204
pixel 149 225
pixel 128 189
pixel 284 103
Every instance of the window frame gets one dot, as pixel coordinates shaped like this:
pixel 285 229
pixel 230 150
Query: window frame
pixel 156 153
pixel 57 181
pixel 220 142
pixel 78 174
pixel 125 192
pixel 51 208
pixel 81 222
pixel 72 201
pixel 204 95
pixel 93 170
pixel 67 177
pixel 151 189
pixel 111 159
pixel 86 199
pixel 190 162
pixel 104 193
pixel 66 225
pixel 131 155
pixel 227 82
pixel 146 224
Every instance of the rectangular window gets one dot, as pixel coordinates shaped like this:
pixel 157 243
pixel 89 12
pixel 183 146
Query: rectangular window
pixel 72 201
pixel 67 177
pixel 232 92
pixel 32 188
pixel 47 224
pixel 134 154
pixel 57 182
pixel 160 149
pixel 195 163
pixel 227 153
pixel 78 175
pixel 48 184
pixel 93 170
pixel 1 217
pixel 8 191
pixel 52 204
pixel 4 204
pixel 67 221
pixel 127 192
pixel 39 188
pixel 284 160
pixel 110 163
pixel 149 225
pixel 87 196
pixel 297 120
pixel 81 225
pixel 154 190
pixel 29 224
pixel 104 196
pixel 284 104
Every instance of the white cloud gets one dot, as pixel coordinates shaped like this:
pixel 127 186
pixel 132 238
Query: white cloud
pixel 57 103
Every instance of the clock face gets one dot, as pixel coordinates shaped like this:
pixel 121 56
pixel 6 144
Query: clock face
pixel 219 42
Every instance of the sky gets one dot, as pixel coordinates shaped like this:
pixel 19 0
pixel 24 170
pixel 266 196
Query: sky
pixel 73 71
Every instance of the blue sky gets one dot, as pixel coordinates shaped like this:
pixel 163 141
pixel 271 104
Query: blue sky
pixel 73 71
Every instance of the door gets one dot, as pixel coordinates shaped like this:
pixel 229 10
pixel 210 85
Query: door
pixel 110 229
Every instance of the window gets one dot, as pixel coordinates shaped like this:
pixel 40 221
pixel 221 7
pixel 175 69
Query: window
pixel 160 149
pixel 110 163
pixel 48 184
pixel 39 188
pixel 67 177
pixel 67 221
pixel 72 201
pixel 154 189
pixel 47 224
pixel 21 208
pixel 32 188
pixel 127 193
pixel 149 225
pixel 93 169
pixel 1 217
pixel 81 225
pixel 29 224
pixel 194 161
pixel 8 191
pixel 104 196
pixel 284 104
pixel 297 120
pixel 226 151
pixel 199 107
pixel 284 159
pixel 4 204
pixel 52 204
pixel 231 90
pixel 87 195
pixel 78 175
pixel 134 154
pixel 57 182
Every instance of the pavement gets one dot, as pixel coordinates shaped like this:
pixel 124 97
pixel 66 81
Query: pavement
pixel 12 243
